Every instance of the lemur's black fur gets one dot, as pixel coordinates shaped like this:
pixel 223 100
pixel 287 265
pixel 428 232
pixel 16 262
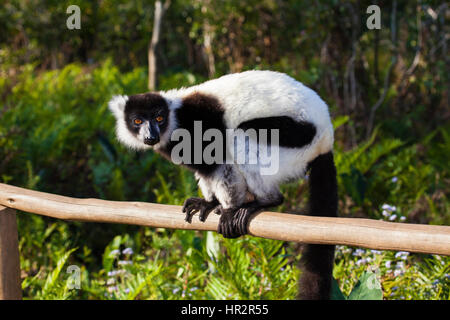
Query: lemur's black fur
pixel 137 106
pixel 317 259
pixel 204 108
pixel 293 134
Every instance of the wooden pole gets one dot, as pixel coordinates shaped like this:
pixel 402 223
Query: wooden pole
pixel 10 286
pixel 365 233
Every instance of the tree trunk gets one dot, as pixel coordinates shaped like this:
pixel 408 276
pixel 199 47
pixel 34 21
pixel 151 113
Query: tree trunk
pixel 160 10
pixel 209 55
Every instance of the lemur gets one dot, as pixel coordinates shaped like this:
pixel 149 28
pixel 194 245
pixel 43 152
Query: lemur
pixel 248 100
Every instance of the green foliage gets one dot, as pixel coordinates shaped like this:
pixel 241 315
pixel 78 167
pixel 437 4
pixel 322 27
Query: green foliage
pixel 52 287
pixel 56 135
pixel 367 288
pixel 252 269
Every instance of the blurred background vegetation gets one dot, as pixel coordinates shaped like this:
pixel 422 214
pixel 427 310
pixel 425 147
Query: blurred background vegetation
pixel 388 94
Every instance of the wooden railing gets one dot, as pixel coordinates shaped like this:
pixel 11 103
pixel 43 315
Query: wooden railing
pixel 373 234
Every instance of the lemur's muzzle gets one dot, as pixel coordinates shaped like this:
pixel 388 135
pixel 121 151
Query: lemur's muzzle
pixel 153 134
pixel 151 141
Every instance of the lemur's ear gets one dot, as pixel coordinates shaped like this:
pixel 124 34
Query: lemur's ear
pixel 117 105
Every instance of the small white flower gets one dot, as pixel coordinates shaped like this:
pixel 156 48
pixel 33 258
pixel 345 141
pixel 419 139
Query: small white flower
pixel 402 255
pixel 124 262
pixel 127 251
pixel 393 217
pixel 388 207
pixel 386 213
pixel 402 218
pixel 394 179
pixel 112 289
pixel 398 272
pixel 112 273
pixel 359 252
pixel 388 264
pixel 361 261
pixel 114 252
pixel 347 250
pixel 110 281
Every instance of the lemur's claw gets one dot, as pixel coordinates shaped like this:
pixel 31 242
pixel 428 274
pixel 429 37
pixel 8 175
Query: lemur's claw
pixel 233 223
pixel 241 219
pixel 193 205
pixel 226 224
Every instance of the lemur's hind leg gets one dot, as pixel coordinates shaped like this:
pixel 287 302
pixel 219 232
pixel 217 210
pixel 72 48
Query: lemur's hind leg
pixel 234 222
pixel 193 205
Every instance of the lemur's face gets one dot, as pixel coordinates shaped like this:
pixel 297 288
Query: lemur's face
pixel 141 119
pixel 146 117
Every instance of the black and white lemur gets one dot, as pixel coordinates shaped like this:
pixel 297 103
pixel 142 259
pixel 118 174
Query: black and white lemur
pixel 248 100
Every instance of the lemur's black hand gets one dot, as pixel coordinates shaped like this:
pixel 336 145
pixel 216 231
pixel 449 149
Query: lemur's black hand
pixel 233 223
pixel 193 205
pixel 227 224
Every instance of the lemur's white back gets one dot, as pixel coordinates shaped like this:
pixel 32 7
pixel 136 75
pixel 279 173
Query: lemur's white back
pixel 258 94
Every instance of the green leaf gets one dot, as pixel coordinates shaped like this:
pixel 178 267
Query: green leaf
pixel 340 121
pixel 367 288
pixel 336 293
pixel 52 278
pixel 212 245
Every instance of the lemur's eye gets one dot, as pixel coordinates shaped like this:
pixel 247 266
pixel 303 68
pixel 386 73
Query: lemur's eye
pixel 159 118
pixel 137 121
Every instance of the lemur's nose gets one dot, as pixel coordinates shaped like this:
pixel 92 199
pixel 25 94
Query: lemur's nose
pixel 151 140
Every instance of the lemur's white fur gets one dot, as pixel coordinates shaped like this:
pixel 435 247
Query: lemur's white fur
pixel 257 94
pixel 117 107
pixel 246 96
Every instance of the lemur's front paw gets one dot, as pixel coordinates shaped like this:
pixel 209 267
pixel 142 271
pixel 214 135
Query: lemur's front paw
pixel 226 224
pixel 233 223
pixel 193 205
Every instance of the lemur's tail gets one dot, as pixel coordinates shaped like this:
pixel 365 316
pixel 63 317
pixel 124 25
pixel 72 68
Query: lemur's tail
pixel 317 260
